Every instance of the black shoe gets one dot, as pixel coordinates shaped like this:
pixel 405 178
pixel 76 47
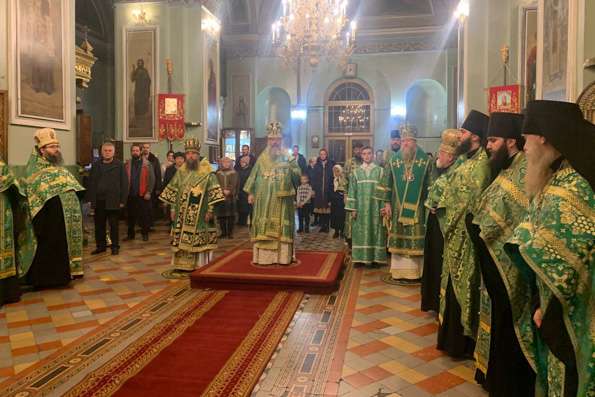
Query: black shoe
pixel 145 237
pixel 97 251
pixel 358 265
pixel 336 234
pixel 300 230
pixel 115 251
pixel 307 230
pixel 128 238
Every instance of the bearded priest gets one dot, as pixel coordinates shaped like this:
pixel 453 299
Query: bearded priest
pixel 404 192
pixel 56 215
pixel 192 194
pixel 271 189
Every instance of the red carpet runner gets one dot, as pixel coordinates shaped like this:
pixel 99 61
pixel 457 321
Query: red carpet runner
pixel 315 272
pixel 216 346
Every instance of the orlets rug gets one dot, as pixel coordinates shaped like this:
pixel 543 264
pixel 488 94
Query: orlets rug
pixel 316 272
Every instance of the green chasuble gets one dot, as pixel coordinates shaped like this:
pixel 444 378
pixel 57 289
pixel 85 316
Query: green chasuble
pixel 272 182
pixel 460 260
pixel 368 234
pixel 191 195
pixel 499 210
pixel 17 240
pixel 554 246
pixel 437 185
pixel 350 166
pixel 405 186
pixel 44 181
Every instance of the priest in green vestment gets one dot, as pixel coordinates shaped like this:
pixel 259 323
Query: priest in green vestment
pixel 11 201
pixel 439 175
pixel 553 248
pixel 55 210
pixel 502 366
pixel 271 189
pixel 460 281
pixel 192 194
pixel 368 234
pixel 350 166
pixel 403 192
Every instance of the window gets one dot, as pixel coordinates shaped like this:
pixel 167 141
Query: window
pixel 349 108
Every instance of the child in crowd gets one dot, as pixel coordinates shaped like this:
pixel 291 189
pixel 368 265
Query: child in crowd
pixel 304 203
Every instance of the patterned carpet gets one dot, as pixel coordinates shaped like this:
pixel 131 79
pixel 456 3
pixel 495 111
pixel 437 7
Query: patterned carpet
pixel 368 339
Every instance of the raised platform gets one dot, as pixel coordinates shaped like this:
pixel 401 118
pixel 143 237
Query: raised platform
pixel 315 272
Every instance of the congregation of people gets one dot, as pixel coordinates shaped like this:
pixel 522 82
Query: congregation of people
pixel 498 227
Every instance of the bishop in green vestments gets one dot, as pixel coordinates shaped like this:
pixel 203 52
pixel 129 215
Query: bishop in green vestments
pixel 502 366
pixel 192 195
pixel 368 233
pixel 460 281
pixel 271 189
pixel 553 248
pixel 55 211
pixel 403 192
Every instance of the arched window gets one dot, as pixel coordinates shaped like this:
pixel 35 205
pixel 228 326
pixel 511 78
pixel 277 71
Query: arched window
pixel 349 108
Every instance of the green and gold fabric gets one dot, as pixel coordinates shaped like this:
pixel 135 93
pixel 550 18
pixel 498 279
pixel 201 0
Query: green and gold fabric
pixel 350 166
pixel 554 245
pixel 437 185
pixel 272 183
pixel 44 181
pixel 501 207
pixel 405 186
pixel 460 260
pixel 368 239
pixel 191 195
pixel 7 243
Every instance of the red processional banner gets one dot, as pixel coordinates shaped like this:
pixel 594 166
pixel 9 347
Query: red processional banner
pixel 171 116
pixel 505 98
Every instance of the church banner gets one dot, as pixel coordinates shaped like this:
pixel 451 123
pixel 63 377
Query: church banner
pixel 171 116
pixel 505 99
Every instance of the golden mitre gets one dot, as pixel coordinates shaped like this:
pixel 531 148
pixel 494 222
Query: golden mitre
pixel 44 137
pixel 275 130
pixel 450 141
pixel 408 132
pixel 192 145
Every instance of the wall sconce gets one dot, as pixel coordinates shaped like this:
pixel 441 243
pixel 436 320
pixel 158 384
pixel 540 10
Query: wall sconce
pixel 139 16
pixel 462 10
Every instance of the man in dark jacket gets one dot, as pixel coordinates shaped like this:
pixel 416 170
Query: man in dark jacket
pixel 301 160
pixel 322 183
pixel 245 153
pixel 171 170
pixel 141 180
pixel 151 158
pixel 107 193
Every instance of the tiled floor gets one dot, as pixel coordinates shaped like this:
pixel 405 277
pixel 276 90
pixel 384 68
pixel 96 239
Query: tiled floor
pixel 390 344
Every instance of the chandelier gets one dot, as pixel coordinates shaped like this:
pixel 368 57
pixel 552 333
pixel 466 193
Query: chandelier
pixel 354 118
pixel 314 29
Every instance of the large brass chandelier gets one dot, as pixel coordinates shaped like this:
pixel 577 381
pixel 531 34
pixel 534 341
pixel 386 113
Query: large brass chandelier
pixel 314 29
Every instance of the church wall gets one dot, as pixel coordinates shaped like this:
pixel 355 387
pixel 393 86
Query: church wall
pixel 20 138
pixel 180 39
pixel 388 74
pixel 491 25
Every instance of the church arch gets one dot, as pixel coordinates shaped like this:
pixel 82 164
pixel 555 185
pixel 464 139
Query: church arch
pixel 272 104
pixel 426 103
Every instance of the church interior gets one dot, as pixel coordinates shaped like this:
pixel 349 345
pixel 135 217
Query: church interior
pixel 250 198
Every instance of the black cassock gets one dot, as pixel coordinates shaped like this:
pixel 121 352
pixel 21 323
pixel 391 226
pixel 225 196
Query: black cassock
pixel 509 373
pixel 430 279
pixel 451 338
pixel 51 264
